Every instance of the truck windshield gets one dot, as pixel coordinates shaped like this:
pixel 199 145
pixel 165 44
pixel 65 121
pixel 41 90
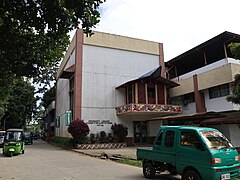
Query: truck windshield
pixel 216 140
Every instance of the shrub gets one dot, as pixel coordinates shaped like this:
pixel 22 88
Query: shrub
pixel 79 130
pixel 92 138
pixel 103 137
pixel 120 131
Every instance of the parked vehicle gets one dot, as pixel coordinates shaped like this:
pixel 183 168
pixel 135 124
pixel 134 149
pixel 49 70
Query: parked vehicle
pixel 196 153
pixel 13 142
pixel 28 138
pixel 2 134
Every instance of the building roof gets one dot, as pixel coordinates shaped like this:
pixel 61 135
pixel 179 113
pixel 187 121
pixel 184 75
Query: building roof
pixel 154 75
pixel 221 38
pixel 212 50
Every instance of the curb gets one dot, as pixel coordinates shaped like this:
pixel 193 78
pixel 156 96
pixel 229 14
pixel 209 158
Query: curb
pixel 88 154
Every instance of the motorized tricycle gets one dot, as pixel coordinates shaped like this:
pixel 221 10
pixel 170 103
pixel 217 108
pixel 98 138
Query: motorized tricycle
pixel 28 138
pixel 13 142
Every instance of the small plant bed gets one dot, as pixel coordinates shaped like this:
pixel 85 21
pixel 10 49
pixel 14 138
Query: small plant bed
pixel 131 162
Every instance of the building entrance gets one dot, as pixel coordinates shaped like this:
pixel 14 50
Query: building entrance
pixel 140 131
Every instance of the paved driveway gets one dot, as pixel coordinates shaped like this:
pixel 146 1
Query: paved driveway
pixel 42 161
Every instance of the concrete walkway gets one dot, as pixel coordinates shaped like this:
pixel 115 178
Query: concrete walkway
pixel 129 152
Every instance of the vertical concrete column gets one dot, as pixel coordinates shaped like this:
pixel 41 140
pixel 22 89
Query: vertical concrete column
pixel 78 76
pixel 161 60
pixel 165 94
pixel 146 93
pixel 199 101
pixel 156 94
pixel 136 93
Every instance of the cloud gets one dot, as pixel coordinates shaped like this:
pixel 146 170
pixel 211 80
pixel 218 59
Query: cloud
pixel 179 25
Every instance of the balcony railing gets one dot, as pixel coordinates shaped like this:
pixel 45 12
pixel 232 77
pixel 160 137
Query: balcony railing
pixel 146 108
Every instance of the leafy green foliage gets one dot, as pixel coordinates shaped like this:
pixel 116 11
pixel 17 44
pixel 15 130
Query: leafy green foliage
pixel 48 97
pixel 21 104
pixel 34 36
pixel 235 50
pixel 79 130
pixel 34 33
pixel 235 96
pixel 120 131
pixel 103 137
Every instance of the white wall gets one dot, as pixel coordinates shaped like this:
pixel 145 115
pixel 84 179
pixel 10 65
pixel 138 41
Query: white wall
pixel 103 70
pixel 189 109
pixel 71 60
pixel 217 104
pixel 62 99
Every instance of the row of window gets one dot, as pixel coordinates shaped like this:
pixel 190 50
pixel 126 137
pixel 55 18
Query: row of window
pixel 214 92
pixel 219 91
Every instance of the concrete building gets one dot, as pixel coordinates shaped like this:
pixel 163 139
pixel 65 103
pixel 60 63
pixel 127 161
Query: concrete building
pixel 107 79
pixel 49 119
pixel 204 74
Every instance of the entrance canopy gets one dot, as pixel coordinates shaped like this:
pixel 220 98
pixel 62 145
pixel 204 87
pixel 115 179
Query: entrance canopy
pixel 153 76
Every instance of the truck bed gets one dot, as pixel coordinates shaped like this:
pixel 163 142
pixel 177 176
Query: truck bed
pixel 155 155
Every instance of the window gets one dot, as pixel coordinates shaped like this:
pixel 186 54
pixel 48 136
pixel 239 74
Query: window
pixel 169 139
pixel 189 139
pixel 129 94
pixel 151 92
pixel 219 91
pixel 159 140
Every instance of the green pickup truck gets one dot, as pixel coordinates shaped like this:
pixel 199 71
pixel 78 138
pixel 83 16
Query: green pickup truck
pixel 196 153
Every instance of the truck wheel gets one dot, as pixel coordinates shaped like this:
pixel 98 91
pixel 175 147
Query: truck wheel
pixel 191 175
pixel 148 170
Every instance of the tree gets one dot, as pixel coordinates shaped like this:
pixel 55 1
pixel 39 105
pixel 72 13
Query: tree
pixel 34 36
pixel 48 97
pixel 235 87
pixel 235 96
pixel 21 105
pixel 235 50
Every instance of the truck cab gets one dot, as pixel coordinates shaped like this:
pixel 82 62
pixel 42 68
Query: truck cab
pixel 197 153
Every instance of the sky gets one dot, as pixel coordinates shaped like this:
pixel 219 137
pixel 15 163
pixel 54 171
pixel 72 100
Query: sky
pixel 179 24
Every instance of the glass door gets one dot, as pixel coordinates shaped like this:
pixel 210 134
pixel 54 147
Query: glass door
pixel 140 131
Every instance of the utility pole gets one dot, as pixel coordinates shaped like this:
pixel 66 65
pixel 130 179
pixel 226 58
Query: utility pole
pixel 4 122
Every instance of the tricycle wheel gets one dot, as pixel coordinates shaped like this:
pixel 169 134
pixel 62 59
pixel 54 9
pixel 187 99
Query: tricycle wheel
pixel 148 170
pixel 22 151
pixel 191 175
pixel 10 154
